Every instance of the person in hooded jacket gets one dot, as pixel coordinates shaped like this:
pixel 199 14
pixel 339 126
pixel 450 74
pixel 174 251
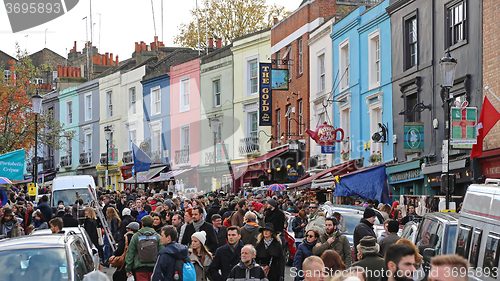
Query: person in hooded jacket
pixel 299 226
pixel 364 228
pixel 305 250
pixel 333 239
pixel 124 241
pixel 9 225
pixel 270 253
pixel 250 230
pixel 172 251
pixel 214 209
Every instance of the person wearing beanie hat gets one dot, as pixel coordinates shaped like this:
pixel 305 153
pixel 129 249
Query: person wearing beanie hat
pixel 147 220
pixel 199 255
pixel 9 225
pixel 364 228
pixel 126 219
pixel 274 215
pixel 369 257
pixel 392 237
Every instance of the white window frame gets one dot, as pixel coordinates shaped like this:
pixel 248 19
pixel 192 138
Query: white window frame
pixel 278 124
pixel 321 59
pixel 132 138
pixel 375 102
pixel 250 133
pixel 69 146
pixel 344 107
pixel 69 112
pixel 88 142
pixel 289 121
pixel 155 104
pixel 6 76
pixel 109 103
pixel 156 141
pixel 374 65
pixel 183 144
pixel 248 71
pixel 132 93
pixel 88 107
pixel 301 116
pixel 301 56
pixel 217 94
pixel 344 64
pixel 183 94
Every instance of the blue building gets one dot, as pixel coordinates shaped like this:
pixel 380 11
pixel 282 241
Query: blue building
pixel 69 118
pixel 362 85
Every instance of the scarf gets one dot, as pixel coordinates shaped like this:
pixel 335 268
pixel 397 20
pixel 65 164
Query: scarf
pixel 7 228
pixel 252 223
pixel 197 225
pixel 37 223
pixel 267 244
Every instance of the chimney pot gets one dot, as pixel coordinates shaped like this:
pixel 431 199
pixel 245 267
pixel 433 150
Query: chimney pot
pixel 219 42
pixel 111 59
pixel 210 42
pixel 137 47
pixel 98 60
pixel 106 59
pixel 103 59
pixel 93 59
pixel 116 61
pixel 275 21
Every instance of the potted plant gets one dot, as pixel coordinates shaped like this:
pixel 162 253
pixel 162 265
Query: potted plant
pixel 345 155
pixel 375 157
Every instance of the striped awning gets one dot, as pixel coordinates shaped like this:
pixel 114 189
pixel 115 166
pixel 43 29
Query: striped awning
pixel 170 175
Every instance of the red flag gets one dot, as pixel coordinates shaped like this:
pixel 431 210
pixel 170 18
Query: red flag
pixel 488 118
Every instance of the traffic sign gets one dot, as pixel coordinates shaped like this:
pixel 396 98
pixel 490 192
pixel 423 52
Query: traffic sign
pixel 31 189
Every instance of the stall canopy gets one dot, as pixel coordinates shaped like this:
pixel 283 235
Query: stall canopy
pixel 265 157
pixel 370 183
pixel 170 175
pixel 328 173
pixel 149 174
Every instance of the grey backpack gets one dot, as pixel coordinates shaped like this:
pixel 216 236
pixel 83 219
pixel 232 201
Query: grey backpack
pixel 148 247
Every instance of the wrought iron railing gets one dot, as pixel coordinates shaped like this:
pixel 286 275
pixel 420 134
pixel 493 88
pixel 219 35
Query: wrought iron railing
pixel 182 156
pixel 86 158
pixel 66 161
pixel 248 145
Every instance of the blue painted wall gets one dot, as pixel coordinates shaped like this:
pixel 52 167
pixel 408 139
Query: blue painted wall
pixel 66 95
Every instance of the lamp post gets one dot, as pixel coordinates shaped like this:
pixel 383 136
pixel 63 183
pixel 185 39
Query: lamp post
pixel 215 129
pixel 107 131
pixel 448 65
pixel 37 106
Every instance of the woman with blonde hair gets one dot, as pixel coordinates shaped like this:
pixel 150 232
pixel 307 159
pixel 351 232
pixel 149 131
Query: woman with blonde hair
pixel 199 255
pixel 90 225
pixel 270 253
pixel 114 222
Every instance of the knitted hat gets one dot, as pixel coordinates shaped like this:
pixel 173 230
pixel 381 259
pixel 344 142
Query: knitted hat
pixel 126 212
pixel 395 204
pixel 259 196
pixel 147 220
pixel 200 235
pixel 272 202
pixel 257 206
pixel 368 245
pixel 168 202
pixel 369 212
pixel 393 226
pixel 133 225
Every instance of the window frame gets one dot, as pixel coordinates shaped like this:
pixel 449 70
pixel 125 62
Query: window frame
pixel 217 93
pixel 248 61
pixel 133 100
pixel 300 107
pixel 467 241
pixel 375 106
pixel 492 235
pixel 344 107
pixel 185 93
pixel 69 112
pixel 183 143
pixel 278 124
pixel 344 64
pixel 321 59
pixel 154 92
pixel 132 138
pixel 451 26
pixel 408 63
pixel 374 53
pixel 249 116
pixel 476 240
pixel 301 56
pixel 288 127
pixel 88 107
pixel 109 103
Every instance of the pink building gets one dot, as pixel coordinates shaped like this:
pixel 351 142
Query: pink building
pixel 185 119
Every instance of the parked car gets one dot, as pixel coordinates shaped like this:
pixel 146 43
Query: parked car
pixel 438 231
pixel 409 231
pixel 289 248
pixel 55 257
pixel 80 231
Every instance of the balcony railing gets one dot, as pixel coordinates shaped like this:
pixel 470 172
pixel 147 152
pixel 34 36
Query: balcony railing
pixel 182 156
pixel 48 164
pixel 66 161
pixel 85 158
pixel 128 157
pixel 29 167
pixel 248 145
pixel 156 157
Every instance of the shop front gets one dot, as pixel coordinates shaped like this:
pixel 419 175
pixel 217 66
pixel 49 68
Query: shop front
pixel 490 164
pixel 88 170
pixel 114 175
pixel 406 179
pixel 212 178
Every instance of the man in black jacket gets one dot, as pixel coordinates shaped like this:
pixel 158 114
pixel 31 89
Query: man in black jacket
pixel 214 209
pixel 68 219
pixel 199 224
pixel 275 216
pixel 247 269
pixel 364 228
pixel 392 237
pixel 220 229
pixel 45 208
pixel 126 219
pixel 227 256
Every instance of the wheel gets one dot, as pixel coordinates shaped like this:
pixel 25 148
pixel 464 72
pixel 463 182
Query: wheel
pixel 286 254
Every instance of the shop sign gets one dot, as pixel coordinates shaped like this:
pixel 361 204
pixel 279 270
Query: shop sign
pixel 328 149
pixel 413 137
pixel 279 78
pixel 406 175
pixel 265 95
pixel 326 135
pixel 141 178
pixel 463 124
pixel 293 174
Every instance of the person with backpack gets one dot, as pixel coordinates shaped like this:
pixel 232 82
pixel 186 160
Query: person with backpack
pixel 142 251
pixel 123 242
pixel 173 261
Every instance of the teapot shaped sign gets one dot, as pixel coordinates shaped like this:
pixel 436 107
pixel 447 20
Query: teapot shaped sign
pixel 326 134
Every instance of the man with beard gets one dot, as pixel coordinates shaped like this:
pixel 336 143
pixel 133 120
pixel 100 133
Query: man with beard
pixel 333 239
pixel 227 256
pixel 364 228
pixel 199 224
pixel 400 263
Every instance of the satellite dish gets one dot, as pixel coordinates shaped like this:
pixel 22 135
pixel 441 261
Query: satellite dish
pixel 144 146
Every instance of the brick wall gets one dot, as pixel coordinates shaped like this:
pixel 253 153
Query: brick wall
pixel 491 63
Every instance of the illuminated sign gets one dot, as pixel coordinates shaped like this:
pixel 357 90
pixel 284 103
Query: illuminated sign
pixel 265 99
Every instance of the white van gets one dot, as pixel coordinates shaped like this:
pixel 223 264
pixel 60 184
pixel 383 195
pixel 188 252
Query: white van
pixel 65 188
pixel 478 236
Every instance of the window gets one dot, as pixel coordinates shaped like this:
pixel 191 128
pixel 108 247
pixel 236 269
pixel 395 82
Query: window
pixel 6 76
pixel 344 64
pixel 344 106
pixel 109 103
pixel 278 59
pixel 185 137
pixel 156 145
pixel 253 124
pixel 185 94
pixel 88 107
pixel 375 106
pixel 288 116
pixel 490 261
pixel 54 76
pixel 321 118
pixel 132 138
pixel 69 146
pixel 411 101
pixel 411 49
pixel 278 124
pixel 301 57
pixel 156 101
pixel 321 72
pixel 88 143
pixel 301 117
pixel 69 112
pixel 463 241
pixel 216 84
pixel 476 242
pixel 456 18
pixel 374 58
pixel 38 81
pixel 253 76
pixel 133 100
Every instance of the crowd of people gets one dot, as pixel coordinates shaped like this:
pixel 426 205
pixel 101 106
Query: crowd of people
pixel 217 236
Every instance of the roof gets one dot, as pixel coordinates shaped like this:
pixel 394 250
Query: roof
pixel 452 217
pixel 331 172
pixel 251 34
pixel 162 67
pixel 265 157
pixel 32 242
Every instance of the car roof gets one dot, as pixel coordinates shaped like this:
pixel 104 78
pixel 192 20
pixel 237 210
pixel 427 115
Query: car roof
pixel 451 217
pixel 32 242
pixel 38 232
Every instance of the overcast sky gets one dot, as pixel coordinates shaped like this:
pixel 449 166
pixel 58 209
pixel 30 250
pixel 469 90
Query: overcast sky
pixel 121 22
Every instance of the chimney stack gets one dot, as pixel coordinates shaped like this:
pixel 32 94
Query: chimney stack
pixel 116 61
pixel 219 43
pixel 275 21
pixel 210 42
pixel 111 59
pixel 137 47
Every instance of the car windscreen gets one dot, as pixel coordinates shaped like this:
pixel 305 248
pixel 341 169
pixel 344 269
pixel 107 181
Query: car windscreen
pixel 351 220
pixel 28 264
pixel 68 196
pixel 450 242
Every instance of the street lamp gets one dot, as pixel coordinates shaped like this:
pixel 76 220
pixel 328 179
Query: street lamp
pixel 37 106
pixel 107 131
pixel 215 129
pixel 448 65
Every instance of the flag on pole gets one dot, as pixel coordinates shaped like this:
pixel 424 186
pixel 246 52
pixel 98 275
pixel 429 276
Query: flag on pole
pixel 142 162
pixel 488 118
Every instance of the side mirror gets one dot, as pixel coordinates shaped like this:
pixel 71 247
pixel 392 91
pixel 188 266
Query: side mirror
pixel 428 254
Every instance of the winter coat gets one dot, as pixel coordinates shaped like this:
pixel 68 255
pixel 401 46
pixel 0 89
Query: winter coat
pixel 165 263
pixel 114 226
pixel 214 209
pixel 28 218
pixel 318 223
pixel 123 226
pixel 46 210
pixel 16 229
pixel 273 257
pixel 372 262
pixel 340 245
pixel 251 273
pixel 132 257
pixel 121 274
pixel 90 226
pixel 237 218
pixel 299 231
pixel 226 257
pixel 69 221
pixel 211 242
pixel 221 236
pixel 305 250
pixel 364 228
pixel 201 268
pixel 277 218
pixel 249 233
pixel 386 242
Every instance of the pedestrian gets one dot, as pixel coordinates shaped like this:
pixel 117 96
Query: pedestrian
pixel 214 209
pixel 39 222
pixel 126 219
pixel 188 219
pixel 220 230
pixel 313 269
pixel 333 263
pixel 28 215
pixel 398 215
pixel 237 218
pixel 392 237
pixel 45 208
pixel 177 222
pixel 369 258
pixel 199 224
pixel 123 242
pixel 299 224
pixel 333 239
pixel 411 216
pixel 90 225
pixel 305 249
pixel 419 261
pixel 275 216
pixel 227 256
pixel 364 228
pixel 9 226
pixel 449 268
pixel 158 222
pixel 250 230
pixel 385 210
pixel 400 263
pixel 56 225
pixel 341 221
pixel 199 255
pixel 114 222
pixel 395 205
pixel 270 253
pixel 247 269
pixel 68 219
pixel 386 231
pixel 172 251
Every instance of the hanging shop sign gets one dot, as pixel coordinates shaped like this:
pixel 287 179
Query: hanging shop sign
pixel 293 174
pixel 326 135
pixel 265 95
pixel 413 137
pixel 330 149
pixel 279 78
pixel 463 124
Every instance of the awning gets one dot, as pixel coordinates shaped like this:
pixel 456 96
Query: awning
pixel 170 175
pixel 265 157
pixel 328 173
pixel 149 174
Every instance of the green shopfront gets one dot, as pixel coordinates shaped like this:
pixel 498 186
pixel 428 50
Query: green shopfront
pixel 406 178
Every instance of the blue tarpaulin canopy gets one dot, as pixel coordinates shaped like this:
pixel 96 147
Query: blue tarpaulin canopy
pixel 369 183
